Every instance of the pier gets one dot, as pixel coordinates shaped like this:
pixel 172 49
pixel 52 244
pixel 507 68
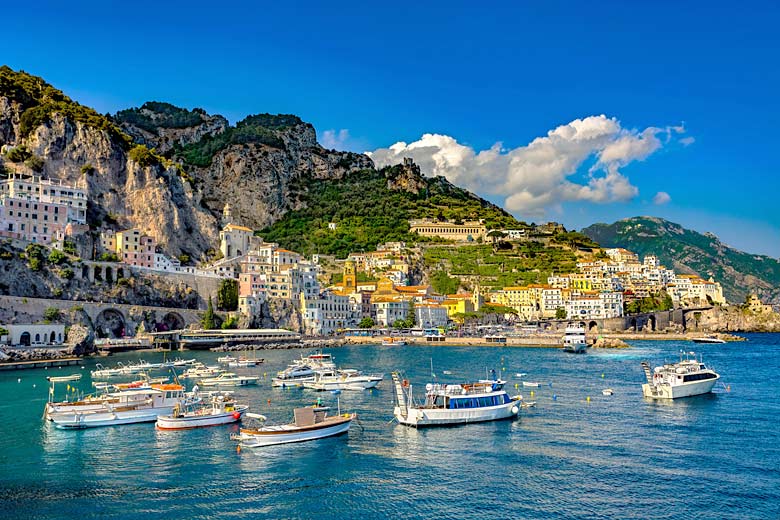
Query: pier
pixel 205 339
pixel 41 363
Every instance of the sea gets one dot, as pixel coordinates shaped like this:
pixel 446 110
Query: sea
pixel 576 454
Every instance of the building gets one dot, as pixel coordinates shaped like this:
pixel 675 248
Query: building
pixel 754 304
pixel 465 232
pixel 618 254
pixel 327 313
pixel 132 247
pixel 430 314
pixel 389 309
pixel 35 335
pixel 234 240
pixel 252 304
pixel 594 306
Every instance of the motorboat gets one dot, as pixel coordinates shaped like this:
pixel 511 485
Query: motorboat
pixel 294 375
pixel 531 384
pixel 574 339
pixel 101 371
pixel 128 407
pixel 607 391
pixel 221 409
pixel 226 359
pixel 687 378
pixel 62 379
pixel 460 403
pixel 200 370
pixel 309 423
pixel 230 379
pixel 398 342
pixel 345 379
pixel 243 362
pixel 708 339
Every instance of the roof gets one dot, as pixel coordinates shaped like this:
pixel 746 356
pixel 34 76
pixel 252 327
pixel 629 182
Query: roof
pixel 239 228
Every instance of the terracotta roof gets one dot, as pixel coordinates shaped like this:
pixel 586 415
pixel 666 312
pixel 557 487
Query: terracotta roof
pixel 240 228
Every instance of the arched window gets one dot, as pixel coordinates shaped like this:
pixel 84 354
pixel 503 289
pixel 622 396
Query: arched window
pixel 37 338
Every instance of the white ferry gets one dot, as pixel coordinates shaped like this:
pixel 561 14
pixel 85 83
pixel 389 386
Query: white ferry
pixel 687 378
pixel 128 407
pixel 574 339
pixel 447 404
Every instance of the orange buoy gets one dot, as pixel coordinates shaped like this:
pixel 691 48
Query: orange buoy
pixel 269 401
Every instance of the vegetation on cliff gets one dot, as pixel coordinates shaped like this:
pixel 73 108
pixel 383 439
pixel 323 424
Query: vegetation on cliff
pixel 368 212
pixel 688 251
pixel 165 116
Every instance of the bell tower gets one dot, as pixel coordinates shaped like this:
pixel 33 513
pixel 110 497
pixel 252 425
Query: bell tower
pixel 350 277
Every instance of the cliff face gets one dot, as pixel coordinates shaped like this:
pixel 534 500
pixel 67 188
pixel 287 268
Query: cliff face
pixel 733 319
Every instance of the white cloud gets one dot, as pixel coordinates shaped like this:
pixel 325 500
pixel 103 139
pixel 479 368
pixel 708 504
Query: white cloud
pixel 687 141
pixel 536 177
pixel 335 139
pixel 661 198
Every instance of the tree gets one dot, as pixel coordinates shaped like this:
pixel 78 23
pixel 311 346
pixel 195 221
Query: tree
pixel 207 322
pixel 411 318
pixel 399 324
pixel 230 323
pixel 57 257
pixel 51 314
pixel 560 313
pixel 227 295
pixel 366 323
pixel 444 284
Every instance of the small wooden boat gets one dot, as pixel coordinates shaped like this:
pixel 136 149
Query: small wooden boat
pixel 61 379
pixel 222 409
pixel 309 424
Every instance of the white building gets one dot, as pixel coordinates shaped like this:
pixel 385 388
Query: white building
pixel 35 335
pixel 388 310
pixel 594 306
pixel 429 315
pixel 327 313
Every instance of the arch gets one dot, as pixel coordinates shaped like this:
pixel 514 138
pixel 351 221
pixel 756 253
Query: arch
pixel 37 338
pixel 59 337
pixel 632 324
pixel 85 272
pixel 24 339
pixel 171 321
pixel 109 275
pixel 120 273
pixel 98 273
pixel 110 323
pixel 652 321
pixel 593 326
pixel 52 338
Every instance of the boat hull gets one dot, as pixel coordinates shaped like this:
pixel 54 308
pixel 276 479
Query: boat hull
pixel 230 382
pixel 678 391
pixel 419 417
pixel 168 422
pixel 576 348
pixel 357 385
pixel 272 438
pixel 108 418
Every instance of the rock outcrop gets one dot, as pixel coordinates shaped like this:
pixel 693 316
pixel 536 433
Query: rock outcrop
pixel 733 319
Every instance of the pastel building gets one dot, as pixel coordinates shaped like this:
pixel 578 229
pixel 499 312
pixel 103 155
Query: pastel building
pixel 466 232
pixel 132 247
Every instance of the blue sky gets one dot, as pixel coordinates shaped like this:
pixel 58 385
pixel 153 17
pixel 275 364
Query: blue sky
pixel 479 74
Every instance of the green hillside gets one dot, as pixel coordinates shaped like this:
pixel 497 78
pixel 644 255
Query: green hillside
pixel 688 251
pixel 367 211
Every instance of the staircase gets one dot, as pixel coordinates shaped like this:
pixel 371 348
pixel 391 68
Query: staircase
pixel 400 395
pixel 648 372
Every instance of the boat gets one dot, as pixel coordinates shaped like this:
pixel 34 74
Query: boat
pixel 221 409
pixel 447 404
pixel 607 391
pixel 398 342
pixel 574 339
pixel 345 379
pixel 446 372
pixel 309 423
pixel 708 339
pixel 520 375
pixel 229 379
pixel 61 379
pixel 200 370
pixel 531 384
pixel 687 378
pixel 101 371
pixel 127 407
pixel 303 370
pixel 244 362
pixel 226 359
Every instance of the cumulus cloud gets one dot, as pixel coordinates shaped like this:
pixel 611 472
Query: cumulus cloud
pixel 687 141
pixel 661 198
pixel 335 139
pixel 538 176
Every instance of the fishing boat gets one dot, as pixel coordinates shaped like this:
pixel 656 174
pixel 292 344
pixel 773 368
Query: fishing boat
pixel 398 342
pixel 229 379
pixel 309 423
pixel 708 339
pixel 447 404
pixel 687 378
pixel 345 379
pixel 221 409
pixel 62 379
pixel 574 339
pixel 128 407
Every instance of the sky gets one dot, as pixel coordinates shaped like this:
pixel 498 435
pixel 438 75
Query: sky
pixel 577 112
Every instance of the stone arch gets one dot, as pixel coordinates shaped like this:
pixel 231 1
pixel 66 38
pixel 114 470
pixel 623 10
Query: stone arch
pixel 110 323
pixel 85 272
pixel 24 339
pixel 120 273
pixel 37 337
pixel 98 274
pixel 52 338
pixel 651 320
pixel 593 326
pixel 171 321
pixel 109 275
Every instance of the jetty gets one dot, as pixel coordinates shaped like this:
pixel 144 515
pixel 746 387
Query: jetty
pixel 41 363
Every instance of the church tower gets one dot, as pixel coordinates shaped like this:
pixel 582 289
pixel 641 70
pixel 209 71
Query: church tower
pixel 349 281
pixel 227 214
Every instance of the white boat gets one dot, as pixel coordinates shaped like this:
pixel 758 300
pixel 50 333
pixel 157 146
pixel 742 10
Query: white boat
pixel 398 342
pixel 447 404
pixel 531 384
pixel 229 379
pixel 132 406
pixel 574 339
pixel 221 409
pixel 309 424
pixel 346 379
pixel 200 370
pixel 687 378
pixel 244 362
pixel 303 370
pixel 101 371
pixel 61 379
pixel 607 391
pixel 520 375
pixel 708 339
pixel 226 359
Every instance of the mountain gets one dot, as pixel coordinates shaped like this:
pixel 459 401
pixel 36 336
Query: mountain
pixel 688 251
pixel 171 170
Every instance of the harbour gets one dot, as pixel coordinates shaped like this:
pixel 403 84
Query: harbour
pixel 681 457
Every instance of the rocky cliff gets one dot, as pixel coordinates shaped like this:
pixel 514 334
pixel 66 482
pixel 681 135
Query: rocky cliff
pixel 734 318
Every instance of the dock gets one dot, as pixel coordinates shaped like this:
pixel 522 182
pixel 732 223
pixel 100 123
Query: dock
pixel 41 363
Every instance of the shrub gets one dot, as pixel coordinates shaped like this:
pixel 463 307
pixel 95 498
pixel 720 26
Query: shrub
pixel 57 257
pixel 57 292
pixel 143 156
pixel 87 169
pixel 67 273
pixel 109 257
pixel 18 154
pixel 35 163
pixel 230 323
pixel 52 314
pixel 69 247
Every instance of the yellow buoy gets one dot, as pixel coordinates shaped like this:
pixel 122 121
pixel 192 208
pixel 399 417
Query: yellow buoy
pixel 602 376
pixel 587 398
pixel 517 386
pixel 532 393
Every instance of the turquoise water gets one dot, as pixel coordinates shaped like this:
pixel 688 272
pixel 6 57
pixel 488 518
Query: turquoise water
pixel 714 456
